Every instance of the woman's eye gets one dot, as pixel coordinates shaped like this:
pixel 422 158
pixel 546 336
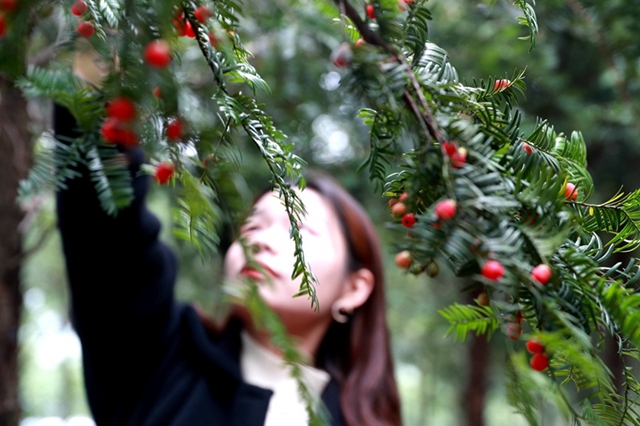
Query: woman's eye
pixel 248 228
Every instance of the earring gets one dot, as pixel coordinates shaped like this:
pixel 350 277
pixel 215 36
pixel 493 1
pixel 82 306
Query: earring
pixel 340 314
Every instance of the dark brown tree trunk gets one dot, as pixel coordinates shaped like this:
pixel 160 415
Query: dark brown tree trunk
pixel 15 161
pixel 474 395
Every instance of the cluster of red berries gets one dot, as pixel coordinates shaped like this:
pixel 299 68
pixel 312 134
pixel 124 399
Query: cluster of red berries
pixel 399 209
pixel 85 28
pixel 501 85
pixel 117 128
pixel 457 155
pixel 184 28
pixel 539 360
pixel 6 7
pixel 164 172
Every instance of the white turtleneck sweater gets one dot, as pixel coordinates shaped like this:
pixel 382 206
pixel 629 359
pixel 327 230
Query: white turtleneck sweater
pixel 265 369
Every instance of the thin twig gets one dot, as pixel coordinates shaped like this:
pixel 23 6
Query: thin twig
pixel 424 114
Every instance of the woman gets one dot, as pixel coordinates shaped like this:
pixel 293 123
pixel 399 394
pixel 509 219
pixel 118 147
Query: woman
pixel 151 360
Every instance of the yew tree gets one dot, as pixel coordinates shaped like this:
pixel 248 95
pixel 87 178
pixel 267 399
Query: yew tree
pixel 469 188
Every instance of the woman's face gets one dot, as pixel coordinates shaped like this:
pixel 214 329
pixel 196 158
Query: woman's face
pixel 325 249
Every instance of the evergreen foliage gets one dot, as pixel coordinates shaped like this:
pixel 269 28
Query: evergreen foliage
pixel 510 188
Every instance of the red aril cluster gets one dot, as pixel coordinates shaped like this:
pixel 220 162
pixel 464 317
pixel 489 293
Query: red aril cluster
pixel 164 173
pixel 157 54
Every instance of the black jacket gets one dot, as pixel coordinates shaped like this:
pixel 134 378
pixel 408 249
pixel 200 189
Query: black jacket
pixel 148 359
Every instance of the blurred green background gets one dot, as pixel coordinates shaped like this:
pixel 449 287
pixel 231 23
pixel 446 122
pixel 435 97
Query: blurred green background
pixel 581 75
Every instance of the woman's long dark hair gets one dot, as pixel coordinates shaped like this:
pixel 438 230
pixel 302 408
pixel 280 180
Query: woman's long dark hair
pixel 358 352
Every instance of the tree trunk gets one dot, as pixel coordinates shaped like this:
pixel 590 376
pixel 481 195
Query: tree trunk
pixel 15 161
pixel 474 395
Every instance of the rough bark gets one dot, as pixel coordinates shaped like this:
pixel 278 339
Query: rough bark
pixel 15 160
pixel 474 395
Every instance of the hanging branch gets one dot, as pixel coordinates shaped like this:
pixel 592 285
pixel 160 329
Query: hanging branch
pixel 424 115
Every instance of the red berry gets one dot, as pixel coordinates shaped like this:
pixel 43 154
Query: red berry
pixel 483 299
pixel 408 220
pixel 203 13
pixel 188 30
pixel 539 361
pixel 371 11
pixel 157 93
pixel 121 108
pixel 114 131
pixel 527 148
pixel 180 25
pixel 164 172
pixel 342 55
pixel 110 130
pixel 541 274
pixel 213 40
pixel 493 270
pixel 571 192
pixel 535 347
pixel 514 330
pixel 175 129
pixel 446 209
pixel 157 53
pixel 79 8
pixel 8 5
pixel 404 259
pixel 399 209
pixel 449 148
pixel 3 25
pixel 500 85
pixel 85 29
pixel 359 42
pixel 403 197
pixel 458 158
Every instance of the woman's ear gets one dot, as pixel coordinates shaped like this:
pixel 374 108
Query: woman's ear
pixel 357 290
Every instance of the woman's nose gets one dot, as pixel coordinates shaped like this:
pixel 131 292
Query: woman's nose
pixel 262 240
